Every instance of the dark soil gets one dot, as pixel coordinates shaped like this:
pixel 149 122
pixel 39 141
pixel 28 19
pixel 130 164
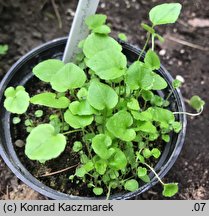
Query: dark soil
pixel 26 24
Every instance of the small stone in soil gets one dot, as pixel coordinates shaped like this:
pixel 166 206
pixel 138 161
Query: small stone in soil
pixel 19 143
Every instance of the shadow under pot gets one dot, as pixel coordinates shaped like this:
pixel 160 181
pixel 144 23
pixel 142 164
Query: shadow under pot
pixel 23 168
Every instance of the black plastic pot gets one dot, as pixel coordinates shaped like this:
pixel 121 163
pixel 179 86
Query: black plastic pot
pixel 20 74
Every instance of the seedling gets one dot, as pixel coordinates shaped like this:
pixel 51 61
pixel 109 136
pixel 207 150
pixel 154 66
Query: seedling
pixel 3 49
pixel 114 107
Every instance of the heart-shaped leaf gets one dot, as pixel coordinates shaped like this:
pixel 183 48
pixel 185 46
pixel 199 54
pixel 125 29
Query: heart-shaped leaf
pixel 96 20
pixel 82 108
pixel 119 125
pixel 141 171
pixel 159 83
pixel 152 60
pixel 165 13
pixel 103 29
pixel 69 77
pixel 40 140
pixel 108 64
pixel 101 144
pixel 170 189
pixel 101 166
pixel 76 121
pixel 101 96
pixel 98 191
pixel 147 127
pixel 139 77
pixel 47 69
pixel 133 104
pixel 49 99
pixel 131 185
pixel 97 42
pixel 118 161
pixel 196 103
pixel 162 115
pixel 156 153
pixel 17 100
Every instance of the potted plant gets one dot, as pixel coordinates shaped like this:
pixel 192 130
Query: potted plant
pixel 109 125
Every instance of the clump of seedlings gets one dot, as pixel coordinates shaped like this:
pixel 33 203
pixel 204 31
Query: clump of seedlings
pixel 114 106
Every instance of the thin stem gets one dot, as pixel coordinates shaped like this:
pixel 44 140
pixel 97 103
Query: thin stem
pixel 73 131
pixel 154 173
pixel 190 114
pixel 169 95
pixel 145 46
pixel 87 146
pixel 153 42
pixel 108 193
pixel 62 118
pixel 59 171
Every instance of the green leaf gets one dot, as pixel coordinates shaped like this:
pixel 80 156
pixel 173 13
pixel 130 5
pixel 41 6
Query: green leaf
pixel 16 120
pixel 95 21
pixel 162 115
pixel 96 43
pixel 152 60
pixel 3 49
pixel 143 116
pixel 69 77
pixel 159 83
pixel 157 100
pixel 141 171
pixel 38 113
pixel 28 122
pixel 101 166
pixel 147 153
pixel 165 13
pixel 156 153
pixel 170 189
pixel 166 138
pixel 101 96
pixel 49 99
pixel 122 36
pixel 133 104
pixel 80 172
pixel 101 144
pixel 159 37
pixel 176 83
pixel 76 121
pixel 42 139
pixel 77 146
pixel 89 166
pixel 108 64
pixel 82 108
pixel 119 125
pixel 82 94
pixel 131 185
pixel 140 157
pixel 147 95
pixel 145 179
pixel 147 127
pixel 196 103
pixel 129 153
pixel 177 126
pixel 17 100
pixel 103 29
pixel 148 28
pixel 139 77
pixel 118 161
pixel 98 191
pixel 47 69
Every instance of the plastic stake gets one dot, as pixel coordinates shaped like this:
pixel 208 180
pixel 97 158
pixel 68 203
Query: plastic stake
pixel 79 30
